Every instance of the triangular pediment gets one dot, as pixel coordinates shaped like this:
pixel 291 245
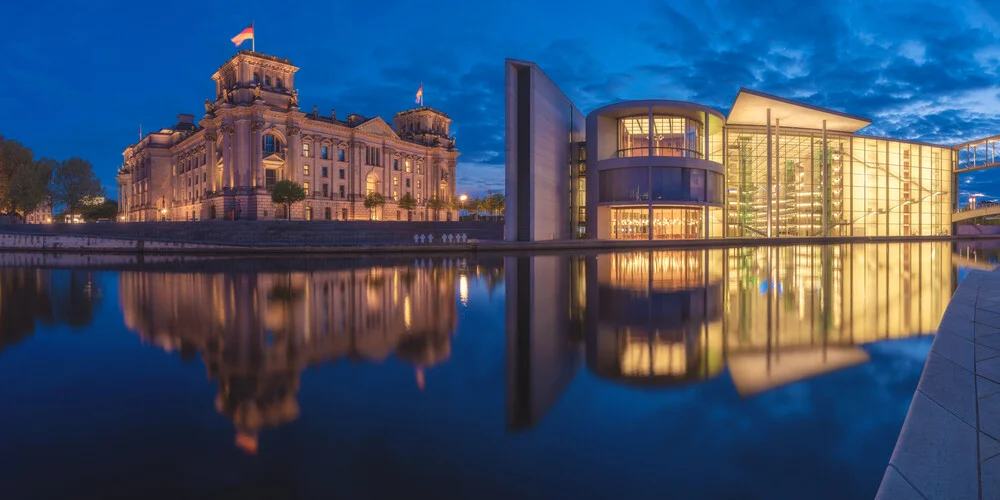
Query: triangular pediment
pixel 377 126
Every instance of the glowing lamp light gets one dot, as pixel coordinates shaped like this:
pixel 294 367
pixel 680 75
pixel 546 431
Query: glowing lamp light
pixel 463 197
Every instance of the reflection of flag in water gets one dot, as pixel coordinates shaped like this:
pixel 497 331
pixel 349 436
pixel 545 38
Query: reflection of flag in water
pixel 244 35
pixel 420 94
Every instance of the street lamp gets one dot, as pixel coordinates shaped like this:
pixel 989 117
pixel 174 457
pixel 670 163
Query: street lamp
pixel 462 200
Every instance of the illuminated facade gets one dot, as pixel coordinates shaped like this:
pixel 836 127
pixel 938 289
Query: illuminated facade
pixel 657 170
pixel 257 332
pixel 253 135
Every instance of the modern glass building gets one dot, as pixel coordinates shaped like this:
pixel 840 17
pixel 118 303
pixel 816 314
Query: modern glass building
pixel 659 169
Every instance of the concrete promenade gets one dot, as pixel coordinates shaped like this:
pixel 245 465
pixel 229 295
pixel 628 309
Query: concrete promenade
pixel 949 446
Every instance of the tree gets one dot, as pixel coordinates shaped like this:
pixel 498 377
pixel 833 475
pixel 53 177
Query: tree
pixel 408 203
pixel 373 201
pixel 23 181
pixel 494 204
pixel 72 181
pixel 434 203
pixel 287 192
pixel 107 210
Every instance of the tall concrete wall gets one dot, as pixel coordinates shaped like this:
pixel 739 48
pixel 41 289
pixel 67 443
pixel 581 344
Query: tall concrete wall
pixel 542 126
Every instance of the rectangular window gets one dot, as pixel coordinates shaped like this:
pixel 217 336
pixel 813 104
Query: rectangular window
pixel 326 190
pixel 305 149
pixel 418 184
pixel 270 178
pixel 325 171
pixel 324 152
pixel 373 156
pixel 395 195
pixel 204 177
pixel 340 154
pixel 395 181
pixel 420 169
pixel 407 166
pixel 327 213
pixel 341 190
pixel 407 182
pixel 341 173
pixel 395 164
pixel 305 186
pixel 305 169
pixel 343 213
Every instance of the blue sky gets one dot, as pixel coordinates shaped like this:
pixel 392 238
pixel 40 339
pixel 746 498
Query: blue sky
pixel 80 77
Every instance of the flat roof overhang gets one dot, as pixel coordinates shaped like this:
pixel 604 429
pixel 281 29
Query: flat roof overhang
pixel 750 108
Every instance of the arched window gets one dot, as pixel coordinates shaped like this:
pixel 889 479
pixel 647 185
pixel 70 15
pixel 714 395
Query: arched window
pixel 272 144
pixel 256 78
pixel 371 183
pixel 267 80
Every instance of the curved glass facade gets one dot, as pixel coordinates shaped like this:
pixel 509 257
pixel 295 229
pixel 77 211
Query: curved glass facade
pixel 668 184
pixel 668 136
pixel 667 223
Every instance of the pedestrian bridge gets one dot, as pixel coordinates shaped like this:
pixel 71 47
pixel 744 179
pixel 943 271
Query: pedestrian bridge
pixel 980 210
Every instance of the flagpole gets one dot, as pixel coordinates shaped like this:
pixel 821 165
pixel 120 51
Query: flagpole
pixel 253 39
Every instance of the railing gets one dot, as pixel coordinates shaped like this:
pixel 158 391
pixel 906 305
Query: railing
pixel 979 205
pixel 660 151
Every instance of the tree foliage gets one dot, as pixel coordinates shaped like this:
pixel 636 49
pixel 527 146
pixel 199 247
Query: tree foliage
pixel 493 204
pixel 24 182
pixel 287 192
pixel 407 202
pixel 72 181
pixel 373 201
pixel 107 210
pixel 436 204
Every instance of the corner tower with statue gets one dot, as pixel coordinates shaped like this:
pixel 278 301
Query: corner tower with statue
pixel 254 134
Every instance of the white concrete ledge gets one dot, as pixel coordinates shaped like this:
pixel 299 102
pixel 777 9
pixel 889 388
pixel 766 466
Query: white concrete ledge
pixel 949 446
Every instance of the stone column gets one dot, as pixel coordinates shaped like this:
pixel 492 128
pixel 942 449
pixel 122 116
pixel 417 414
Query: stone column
pixel 256 151
pixel 293 152
pixel 210 164
pixel 227 157
pixel 241 154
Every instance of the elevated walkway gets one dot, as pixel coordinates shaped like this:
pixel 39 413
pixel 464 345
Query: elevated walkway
pixel 981 210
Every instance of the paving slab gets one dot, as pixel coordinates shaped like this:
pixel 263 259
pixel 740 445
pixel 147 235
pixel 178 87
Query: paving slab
pixel 989 414
pixel 986 387
pixel 937 452
pixel 988 447
pixel 988 368
pixel 991 478
pixel 984 352
pixel 949 446
pixel 958 350
pixel 950 386
pixel 987 342
pixel 896 487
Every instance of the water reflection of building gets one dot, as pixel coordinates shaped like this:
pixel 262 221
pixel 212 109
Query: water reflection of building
pixel 256 332
pixel 767 316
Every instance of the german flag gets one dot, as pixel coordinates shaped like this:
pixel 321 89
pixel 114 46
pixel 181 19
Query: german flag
pixel 244 35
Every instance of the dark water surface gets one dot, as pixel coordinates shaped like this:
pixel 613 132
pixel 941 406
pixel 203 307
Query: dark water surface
pixel 739 373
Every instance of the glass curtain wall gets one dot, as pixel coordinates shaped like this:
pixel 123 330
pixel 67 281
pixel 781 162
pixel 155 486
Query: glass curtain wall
pixel 876 187
pixel 671 136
